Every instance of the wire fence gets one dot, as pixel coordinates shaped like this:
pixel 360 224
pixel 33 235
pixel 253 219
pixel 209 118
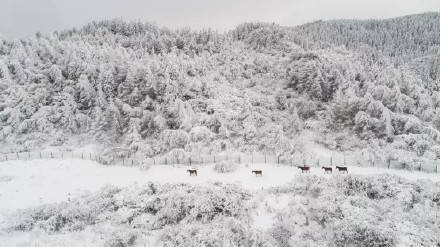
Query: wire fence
pixel 51 155
pixel 127 159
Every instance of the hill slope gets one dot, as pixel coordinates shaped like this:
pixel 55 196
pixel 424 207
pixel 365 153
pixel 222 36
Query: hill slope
pixel 260 87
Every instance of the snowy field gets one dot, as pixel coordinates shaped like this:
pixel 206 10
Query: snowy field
pixel 28 184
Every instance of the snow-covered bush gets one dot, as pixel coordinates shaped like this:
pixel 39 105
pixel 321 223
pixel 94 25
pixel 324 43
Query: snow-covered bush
pixel 221 232
pixel 225 166
pixel 341 210
pixel 363 233
pixel 177 155
pixel 165 205
pixel 379 210
pixel 379 188
pixel 196 203
pixel 69 216
pixel 201 134
pixel 121 237
pixel 174 138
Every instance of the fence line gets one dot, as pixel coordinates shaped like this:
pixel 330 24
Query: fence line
pixel 196 160
pixel 51 155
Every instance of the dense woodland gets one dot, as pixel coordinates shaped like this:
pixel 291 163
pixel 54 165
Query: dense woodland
pixel 371 84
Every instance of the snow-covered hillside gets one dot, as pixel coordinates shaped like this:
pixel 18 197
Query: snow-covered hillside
pixel 358 85
pixel 362 94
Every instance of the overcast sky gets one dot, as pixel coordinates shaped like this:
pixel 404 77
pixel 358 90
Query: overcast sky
pixel 20 18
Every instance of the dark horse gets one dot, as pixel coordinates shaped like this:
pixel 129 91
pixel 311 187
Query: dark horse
pixel 342 169
pixel 192 171
pixel 257 172
pixel 304 168
pixel 327 169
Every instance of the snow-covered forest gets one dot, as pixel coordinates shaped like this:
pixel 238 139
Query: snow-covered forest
pixel 358 85
pixel 341 92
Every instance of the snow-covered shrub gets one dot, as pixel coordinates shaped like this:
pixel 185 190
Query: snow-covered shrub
pixel 68 216
pixel 176 203
pixel 174 138
pixel 122 237
pixel 221 232
pixel 376 210
pixel 225 166
pixel 201 134
pixel 420 147
pixel 177 155
pixel 165 204
pixel 363 233
pixel 379 188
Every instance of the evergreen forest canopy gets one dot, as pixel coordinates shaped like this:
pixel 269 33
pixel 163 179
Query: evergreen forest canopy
pixel 353 85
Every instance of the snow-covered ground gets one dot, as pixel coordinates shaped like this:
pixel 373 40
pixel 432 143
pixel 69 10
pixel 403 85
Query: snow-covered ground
pixel 25 184
pixel 30 183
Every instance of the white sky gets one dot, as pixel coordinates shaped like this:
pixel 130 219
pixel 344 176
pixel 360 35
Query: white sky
pixel 19 18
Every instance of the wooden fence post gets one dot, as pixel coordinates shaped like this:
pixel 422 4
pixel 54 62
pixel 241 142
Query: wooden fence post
pixel 6 157
pixel 265 158
pixel 331 161
pixel 190 161
pixel 18 157
pixel 51 155
pixel 82 155
pixel 40 156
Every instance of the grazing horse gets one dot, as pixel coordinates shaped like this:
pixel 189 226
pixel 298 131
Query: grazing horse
pixel 257 172
pixel 192 171
pixel 304 169
pixel 327 169
pixel 342 169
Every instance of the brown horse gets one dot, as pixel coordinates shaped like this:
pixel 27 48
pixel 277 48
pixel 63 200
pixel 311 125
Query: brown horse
pixel 304 169
pixel 257 172
pixel 327 169
pixel 192 171
pixel 342 169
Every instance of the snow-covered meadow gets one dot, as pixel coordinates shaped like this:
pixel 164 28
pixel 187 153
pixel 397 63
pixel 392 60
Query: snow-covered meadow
pixel 65 189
